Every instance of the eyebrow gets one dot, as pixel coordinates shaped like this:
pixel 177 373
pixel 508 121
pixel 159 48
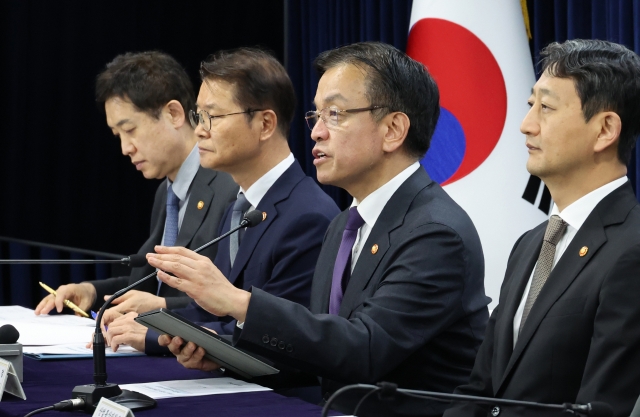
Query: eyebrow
pixel 206 106
pixel 332 97
pixel 123 121
pixel 545 91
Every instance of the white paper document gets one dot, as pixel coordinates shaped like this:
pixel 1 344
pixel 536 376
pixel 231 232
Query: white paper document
pixel 78 349
pixel 193 387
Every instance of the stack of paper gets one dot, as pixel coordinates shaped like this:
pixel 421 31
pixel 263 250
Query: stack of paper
pixel 53 337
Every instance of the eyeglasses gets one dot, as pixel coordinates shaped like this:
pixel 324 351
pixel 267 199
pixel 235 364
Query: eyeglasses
pixel 330 115
pixel 204 118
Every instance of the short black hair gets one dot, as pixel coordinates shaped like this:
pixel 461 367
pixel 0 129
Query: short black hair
pixel 607 78
pixel 149 80
pixel 396 81
pixel 260 81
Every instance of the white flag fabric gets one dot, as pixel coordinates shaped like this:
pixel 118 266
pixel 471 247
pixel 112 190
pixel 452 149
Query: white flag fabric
pixel 478 53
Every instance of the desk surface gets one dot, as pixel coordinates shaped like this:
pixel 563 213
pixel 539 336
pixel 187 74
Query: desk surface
pixel 48 382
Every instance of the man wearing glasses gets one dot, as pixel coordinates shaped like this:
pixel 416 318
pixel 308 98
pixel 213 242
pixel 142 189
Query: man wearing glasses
pixel 245 106
pixel 398 291
pixel 146 97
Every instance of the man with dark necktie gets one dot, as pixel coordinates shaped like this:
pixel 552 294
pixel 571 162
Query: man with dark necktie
pixel 398 290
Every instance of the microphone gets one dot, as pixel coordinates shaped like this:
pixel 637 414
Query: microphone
pixel 133 261
pixel 92 393
pixel 387 390
pixel 8 335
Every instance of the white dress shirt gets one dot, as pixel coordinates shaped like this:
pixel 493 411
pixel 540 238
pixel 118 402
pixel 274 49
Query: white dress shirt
pixel 372 205
pixel 258 189
pixel 574 214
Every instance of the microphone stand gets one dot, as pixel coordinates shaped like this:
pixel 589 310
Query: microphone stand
pixel 387 390
pixel 92 393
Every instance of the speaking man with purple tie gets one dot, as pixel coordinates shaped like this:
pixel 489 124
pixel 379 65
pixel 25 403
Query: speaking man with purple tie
pixel 398 290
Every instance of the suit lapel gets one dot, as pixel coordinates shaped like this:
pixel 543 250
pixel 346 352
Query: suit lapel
pixel 323 275
pixel 613 209
pixel 201 191
pixel 391 217
pixel 279 191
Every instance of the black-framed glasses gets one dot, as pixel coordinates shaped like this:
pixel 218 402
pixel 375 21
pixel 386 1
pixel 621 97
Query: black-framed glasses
pixel 204 118
pixel 331 115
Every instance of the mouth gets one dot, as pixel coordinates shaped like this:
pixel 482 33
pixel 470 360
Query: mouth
pixel 203 150
pixel 138 164
pixel 530 147
pixel 318 156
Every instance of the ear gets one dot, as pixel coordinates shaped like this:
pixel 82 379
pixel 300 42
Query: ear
pixel 396 127
pixel 609 125
pixel 174 113
pixel 268 123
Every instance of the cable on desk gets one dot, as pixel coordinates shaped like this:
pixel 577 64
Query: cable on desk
pixel 40 410
pixel 65 405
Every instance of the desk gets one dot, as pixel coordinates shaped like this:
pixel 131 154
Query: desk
pixel 48 382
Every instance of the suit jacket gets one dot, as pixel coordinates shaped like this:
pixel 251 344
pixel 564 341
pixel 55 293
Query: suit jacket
pixel 215 189
pixel 581 340
pixel 279 254
pixel 414 311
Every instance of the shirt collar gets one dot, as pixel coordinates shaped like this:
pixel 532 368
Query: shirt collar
pixel 372 205
pixel 577 212
pixel 258 189
pixel 186 174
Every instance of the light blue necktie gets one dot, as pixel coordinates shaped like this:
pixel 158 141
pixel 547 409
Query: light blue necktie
pixel 239 208
pixel 171 223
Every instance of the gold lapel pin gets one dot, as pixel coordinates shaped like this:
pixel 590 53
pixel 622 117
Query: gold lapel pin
pixel 374 248
pixel 264 215
pixel 583 251
pixel 200 205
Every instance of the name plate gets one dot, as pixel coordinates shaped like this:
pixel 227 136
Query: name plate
pixel 108 408
pixel 9 381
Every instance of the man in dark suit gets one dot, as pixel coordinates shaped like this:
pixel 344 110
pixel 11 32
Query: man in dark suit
pixel 567 325
pixel 245 104
pixel 398 288
pixel 146 97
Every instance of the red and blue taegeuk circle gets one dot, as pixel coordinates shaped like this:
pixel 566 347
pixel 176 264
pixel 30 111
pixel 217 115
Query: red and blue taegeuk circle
pixel 473 97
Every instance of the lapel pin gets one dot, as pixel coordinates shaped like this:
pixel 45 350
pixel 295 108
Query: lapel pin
pixel 200 204
pixel 584 250
pixel 374 248
pixel 264 215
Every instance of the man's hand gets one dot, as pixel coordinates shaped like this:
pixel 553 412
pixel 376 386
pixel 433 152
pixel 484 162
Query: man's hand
pixel 137 301
pixel 190 356
pixel 83 295
pixel 199 278
pixel 125 331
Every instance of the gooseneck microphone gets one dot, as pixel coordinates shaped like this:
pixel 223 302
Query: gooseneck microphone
pixel 92 393
pixel 388 390
pixel 133 261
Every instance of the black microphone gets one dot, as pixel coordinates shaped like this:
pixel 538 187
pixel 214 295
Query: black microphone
pixel 92 393
pixel 387 390
pixel 8 335
pixel 133 261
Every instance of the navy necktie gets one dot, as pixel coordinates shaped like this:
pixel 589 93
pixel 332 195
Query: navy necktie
pixel 171 222
pixel 239 208
pixel 342 267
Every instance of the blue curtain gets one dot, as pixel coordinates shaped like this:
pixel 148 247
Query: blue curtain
pixel 315 26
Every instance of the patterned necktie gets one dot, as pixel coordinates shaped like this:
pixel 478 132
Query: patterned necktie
pixel 171 223
pixel 555 230
pixel 342 267
pixel 239 208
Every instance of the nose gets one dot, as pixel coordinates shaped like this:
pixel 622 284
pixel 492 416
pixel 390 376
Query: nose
pixel 201 133
pixel 127 146
pixel 530 125
pixel 319 131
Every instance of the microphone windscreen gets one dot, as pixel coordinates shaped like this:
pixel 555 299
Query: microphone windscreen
pixel 136 260
pixel 600 409
pixel 253 218
pixel 8 334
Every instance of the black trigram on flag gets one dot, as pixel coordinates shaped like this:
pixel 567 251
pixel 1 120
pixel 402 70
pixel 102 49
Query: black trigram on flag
pixel 532 190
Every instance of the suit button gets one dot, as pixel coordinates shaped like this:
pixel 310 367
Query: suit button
pixel 274 342
pixel 281 345
pixel 495 411
pixel 265 338
pixel 289 348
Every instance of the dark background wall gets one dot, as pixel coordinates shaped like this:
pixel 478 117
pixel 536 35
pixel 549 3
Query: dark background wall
pixel 63 179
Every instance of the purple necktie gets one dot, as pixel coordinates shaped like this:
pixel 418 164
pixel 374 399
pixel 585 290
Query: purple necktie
pixel 342 267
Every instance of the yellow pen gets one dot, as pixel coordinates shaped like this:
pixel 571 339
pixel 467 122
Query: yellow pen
pixel 66 302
